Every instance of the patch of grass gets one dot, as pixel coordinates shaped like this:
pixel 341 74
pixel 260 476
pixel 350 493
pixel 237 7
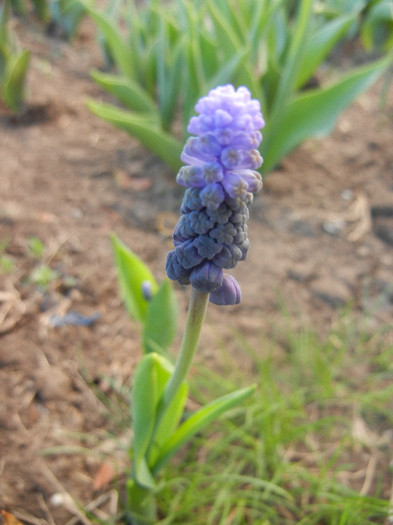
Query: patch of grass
pixel 311 447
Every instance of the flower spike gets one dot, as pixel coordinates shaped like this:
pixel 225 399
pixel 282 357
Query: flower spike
pixel 221 158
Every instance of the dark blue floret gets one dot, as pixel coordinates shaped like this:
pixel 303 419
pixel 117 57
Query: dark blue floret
pixel 221 214
pixel 206 277
pixel 187 255
pixel 228 257
pixel 223 233
pixel 206 246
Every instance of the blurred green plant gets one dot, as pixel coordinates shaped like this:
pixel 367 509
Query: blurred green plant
pixel 373 24
pixel 14 63
pixel 63 15
pixel 168 55
pixel 66 15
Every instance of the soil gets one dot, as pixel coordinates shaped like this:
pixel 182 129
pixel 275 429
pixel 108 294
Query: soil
pixel 321 238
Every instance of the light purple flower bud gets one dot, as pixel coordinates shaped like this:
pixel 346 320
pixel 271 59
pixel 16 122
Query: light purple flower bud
pixel 228 293
pixel 147 290
pixel 252 178
pixel 212 172
pixel 234 185
pixel 191 176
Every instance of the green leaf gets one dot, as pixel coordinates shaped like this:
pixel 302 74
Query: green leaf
pixel 144 128
pixel 195 423
pixel 14 80
pixel 377 29
pixel 161 320
pixel 121 52
pixel 127 91
pixel 144 398
pixel 226 37
pixel 173 413
pixel 132 273
pixel 315 112
pixel 294 56
pixel 320 45
pixel 151 377
pixel 41 7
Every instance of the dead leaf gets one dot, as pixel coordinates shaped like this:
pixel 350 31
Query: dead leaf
pixel 104 476
pixel 9 519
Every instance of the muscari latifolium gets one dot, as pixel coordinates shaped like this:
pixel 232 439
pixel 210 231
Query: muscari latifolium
pixel 210 238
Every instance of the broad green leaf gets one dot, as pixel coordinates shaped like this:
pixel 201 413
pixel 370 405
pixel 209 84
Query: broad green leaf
pixel 127 91
pixel 161 320
pixel 119 49
pixel 315 112
pixel 5 13
pixel 132 273
pixel 14 80
pixel 228 71
pixel 172 86
pixel 320 45
pixel 41 7
pixel 226 37
pixel 377 29
pixel 144 128
pixel 195 423
pixel 294 56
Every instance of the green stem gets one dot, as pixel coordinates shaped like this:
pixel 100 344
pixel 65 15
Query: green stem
pixel 141 500
pixel 195 318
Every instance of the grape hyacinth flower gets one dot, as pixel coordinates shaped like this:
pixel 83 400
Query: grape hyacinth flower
pixel 220 177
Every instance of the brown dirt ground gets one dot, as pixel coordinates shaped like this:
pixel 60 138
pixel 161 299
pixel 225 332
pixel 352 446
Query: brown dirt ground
pixel 321 234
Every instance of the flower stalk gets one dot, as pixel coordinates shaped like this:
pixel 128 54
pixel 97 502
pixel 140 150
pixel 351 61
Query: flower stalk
pixel 195 317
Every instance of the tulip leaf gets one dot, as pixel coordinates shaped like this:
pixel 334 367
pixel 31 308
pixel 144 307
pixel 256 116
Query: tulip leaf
pixel 143 126
pixel 14 79
pixel 127 91
pixel 121 52
pixel 324 105
pixel 320 45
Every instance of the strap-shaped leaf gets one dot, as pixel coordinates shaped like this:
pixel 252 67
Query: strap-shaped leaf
pixel 127 91
pixel 172 414
pixel 195 423
pixel 144 128
pixel 132 272
pixel 144 397
pixel 120 50
pixel 315 112
pixel 151 376
pixel 14 79
pixel 377 29
pixel 294 55
pixel 320 45
pixel 161 320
